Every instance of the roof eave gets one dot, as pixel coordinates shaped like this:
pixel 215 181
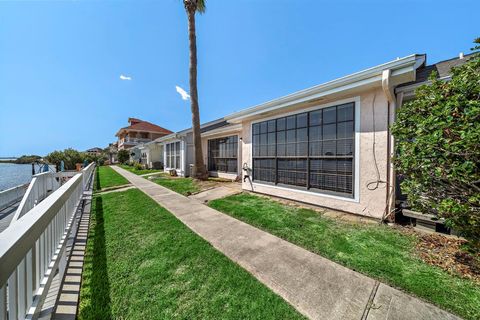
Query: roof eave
pixel 356 80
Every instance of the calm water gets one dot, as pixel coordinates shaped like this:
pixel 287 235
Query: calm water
pixel 12 175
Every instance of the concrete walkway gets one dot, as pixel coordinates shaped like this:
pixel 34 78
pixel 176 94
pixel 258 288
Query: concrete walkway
pixel 217 193
pixel 315 286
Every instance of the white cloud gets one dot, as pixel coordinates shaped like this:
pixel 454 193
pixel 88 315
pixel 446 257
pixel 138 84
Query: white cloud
pixel 122 77
pixel 183 93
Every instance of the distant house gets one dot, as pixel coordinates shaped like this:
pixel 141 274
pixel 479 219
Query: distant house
pixel 94 151
pixel 138 132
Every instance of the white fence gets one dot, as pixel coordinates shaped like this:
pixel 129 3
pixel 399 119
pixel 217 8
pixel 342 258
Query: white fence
pixel 32 247
pixel 40 187
pixel 12 195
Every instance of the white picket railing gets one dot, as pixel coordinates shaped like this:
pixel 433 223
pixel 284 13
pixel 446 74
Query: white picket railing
pixel 31 249
pixel 12 195
pixel 40 187
pixel 88 175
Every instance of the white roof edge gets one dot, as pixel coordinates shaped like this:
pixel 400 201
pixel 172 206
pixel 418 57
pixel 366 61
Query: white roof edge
pixel 203 125
pixel 226 129
pixel 174 135
pixel 182 133
pixel 361 77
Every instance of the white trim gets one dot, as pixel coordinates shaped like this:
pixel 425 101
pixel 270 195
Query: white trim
pixel 356 190
pixel 233 129
pixel 312 193
pixel 313 108
pixel 183 151
pixel 223 175
pixel 356 193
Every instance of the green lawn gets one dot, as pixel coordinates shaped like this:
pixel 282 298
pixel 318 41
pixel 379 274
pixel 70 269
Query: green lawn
pixel 138 171
pixel 375 250
pixel 107 177
pixel 143 263
pixel 185 186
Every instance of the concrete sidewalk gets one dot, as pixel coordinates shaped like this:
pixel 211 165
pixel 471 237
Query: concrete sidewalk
pixel 216 193
pixel 315 286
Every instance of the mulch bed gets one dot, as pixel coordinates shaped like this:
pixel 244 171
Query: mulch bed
pixel 449 254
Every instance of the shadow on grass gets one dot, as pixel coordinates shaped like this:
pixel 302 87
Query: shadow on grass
pixel 96 287
pixel 97 179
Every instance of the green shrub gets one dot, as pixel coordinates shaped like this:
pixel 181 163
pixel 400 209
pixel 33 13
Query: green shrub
pixel 438 149
pixel 123 156
pixel 70 158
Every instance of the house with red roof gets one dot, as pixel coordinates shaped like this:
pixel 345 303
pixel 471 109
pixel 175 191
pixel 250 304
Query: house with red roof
pixel 139 131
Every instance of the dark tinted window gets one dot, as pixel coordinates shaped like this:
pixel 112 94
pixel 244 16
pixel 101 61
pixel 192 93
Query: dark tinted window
pixel 222 153
pixel 311 150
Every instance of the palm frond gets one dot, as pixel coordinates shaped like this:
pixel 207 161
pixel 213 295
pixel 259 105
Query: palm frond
pixel 201 6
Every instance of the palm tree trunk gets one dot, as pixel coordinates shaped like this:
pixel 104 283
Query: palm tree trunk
pixel 200 170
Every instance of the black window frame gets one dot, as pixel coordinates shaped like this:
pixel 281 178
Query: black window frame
pixel 314 150
pixel 223 154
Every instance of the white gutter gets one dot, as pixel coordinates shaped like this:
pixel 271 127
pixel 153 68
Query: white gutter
pixel 366 77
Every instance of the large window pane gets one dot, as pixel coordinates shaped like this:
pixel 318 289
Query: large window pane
pixel 256 128
pixel 321 139
pixel 292 172
pixel 316 118
pixel 264 170
pixel 271 126
pixel 281 124
pixel 222 153
pixel 345 112
pixel 302 120
pixel 302 142
pixel 291 122
pixel 329 115
pixel 345 130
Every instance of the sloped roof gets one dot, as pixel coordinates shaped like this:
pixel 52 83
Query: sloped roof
pixel 142 125
pixel 443 69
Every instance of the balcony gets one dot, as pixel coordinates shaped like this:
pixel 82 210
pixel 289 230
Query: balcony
pixel 132 141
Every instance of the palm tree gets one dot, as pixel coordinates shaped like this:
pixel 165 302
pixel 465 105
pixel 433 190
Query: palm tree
pixel 192 7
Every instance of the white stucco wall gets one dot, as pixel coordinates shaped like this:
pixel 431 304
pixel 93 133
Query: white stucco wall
pixel 369 202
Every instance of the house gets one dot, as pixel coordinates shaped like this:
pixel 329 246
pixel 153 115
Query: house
pixel 138 131
pixel 94 151
pixel 220 145
pixel 329 145
pixel 151 154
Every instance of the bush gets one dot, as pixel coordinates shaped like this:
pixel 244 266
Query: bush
pixel 138 166
pixel 123 156
pixel 438 149
pixel 70 158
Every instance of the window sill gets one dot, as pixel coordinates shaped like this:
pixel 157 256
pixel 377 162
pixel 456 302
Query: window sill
pixel 305 191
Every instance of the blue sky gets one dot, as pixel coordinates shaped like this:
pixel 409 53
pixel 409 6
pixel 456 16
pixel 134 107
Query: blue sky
pixel 60 62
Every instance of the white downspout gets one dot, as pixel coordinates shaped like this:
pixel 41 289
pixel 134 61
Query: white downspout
pixel 389 92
